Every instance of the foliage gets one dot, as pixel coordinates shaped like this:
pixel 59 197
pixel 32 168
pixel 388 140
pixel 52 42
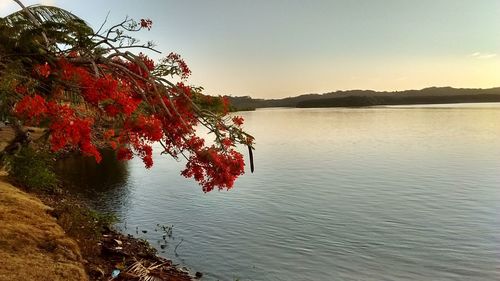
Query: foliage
pixel 357 101
pixel 89 90
pixel 32 169
pixel 73 219
pixel 82 223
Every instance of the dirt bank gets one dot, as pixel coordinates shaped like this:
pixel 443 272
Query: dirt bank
pixel 32 245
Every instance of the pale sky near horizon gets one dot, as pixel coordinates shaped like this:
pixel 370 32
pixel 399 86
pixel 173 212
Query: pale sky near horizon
pixel 279 48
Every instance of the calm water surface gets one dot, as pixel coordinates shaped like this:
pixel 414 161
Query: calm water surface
pixel 387 193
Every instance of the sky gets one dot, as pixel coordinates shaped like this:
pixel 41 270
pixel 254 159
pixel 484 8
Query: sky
pixel 281 48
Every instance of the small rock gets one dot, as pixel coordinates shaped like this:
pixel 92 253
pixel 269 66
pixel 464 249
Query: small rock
pixel 198 274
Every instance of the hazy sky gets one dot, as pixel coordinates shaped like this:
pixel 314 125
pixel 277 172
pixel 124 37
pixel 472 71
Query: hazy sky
pixel 278 48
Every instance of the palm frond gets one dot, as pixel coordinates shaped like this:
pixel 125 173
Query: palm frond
pixel 39 18
pixel 44 14
pixel 144 273
pixel 46 26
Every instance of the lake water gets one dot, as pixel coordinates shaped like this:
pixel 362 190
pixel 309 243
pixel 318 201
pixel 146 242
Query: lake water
pixel 386 193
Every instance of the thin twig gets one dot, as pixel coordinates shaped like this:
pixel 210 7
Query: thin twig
pixel 175 250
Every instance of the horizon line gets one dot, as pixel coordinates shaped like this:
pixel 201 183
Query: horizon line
pixel 354 89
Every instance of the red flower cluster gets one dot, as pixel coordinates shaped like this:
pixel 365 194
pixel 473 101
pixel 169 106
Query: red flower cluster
pixel 135 112
pixel 66 128
pixel 176 59
pixel 211 167
pixel 142 68
pixel 107 93
pixel 238 120
pixel 43 70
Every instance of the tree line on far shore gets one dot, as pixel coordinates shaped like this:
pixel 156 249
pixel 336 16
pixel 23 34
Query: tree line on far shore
pixel 360 98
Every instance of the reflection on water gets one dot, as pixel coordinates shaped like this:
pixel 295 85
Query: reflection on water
pixel 338 194
pixel 103 186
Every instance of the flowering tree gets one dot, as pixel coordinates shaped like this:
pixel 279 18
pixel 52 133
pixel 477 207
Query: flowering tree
pixel 90 91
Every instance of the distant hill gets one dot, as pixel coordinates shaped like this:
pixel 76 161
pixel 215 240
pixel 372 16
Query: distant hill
pixel 357 98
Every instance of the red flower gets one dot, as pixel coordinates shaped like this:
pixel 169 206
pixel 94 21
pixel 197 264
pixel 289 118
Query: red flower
pixel 175 59
pixel 112 110
pixel 146 23
pixel 32 109
pixel 20 89
pixel 124 153
pixel 108 134
pixel 42 69
pixel 214 168
pixel 148 161
pixel 238 120
pixel 226 142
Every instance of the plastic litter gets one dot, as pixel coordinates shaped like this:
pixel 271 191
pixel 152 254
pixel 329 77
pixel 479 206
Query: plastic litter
pixel 115 273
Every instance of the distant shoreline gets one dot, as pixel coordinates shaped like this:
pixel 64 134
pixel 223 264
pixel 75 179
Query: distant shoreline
pixel 363 98
pixel 363 101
